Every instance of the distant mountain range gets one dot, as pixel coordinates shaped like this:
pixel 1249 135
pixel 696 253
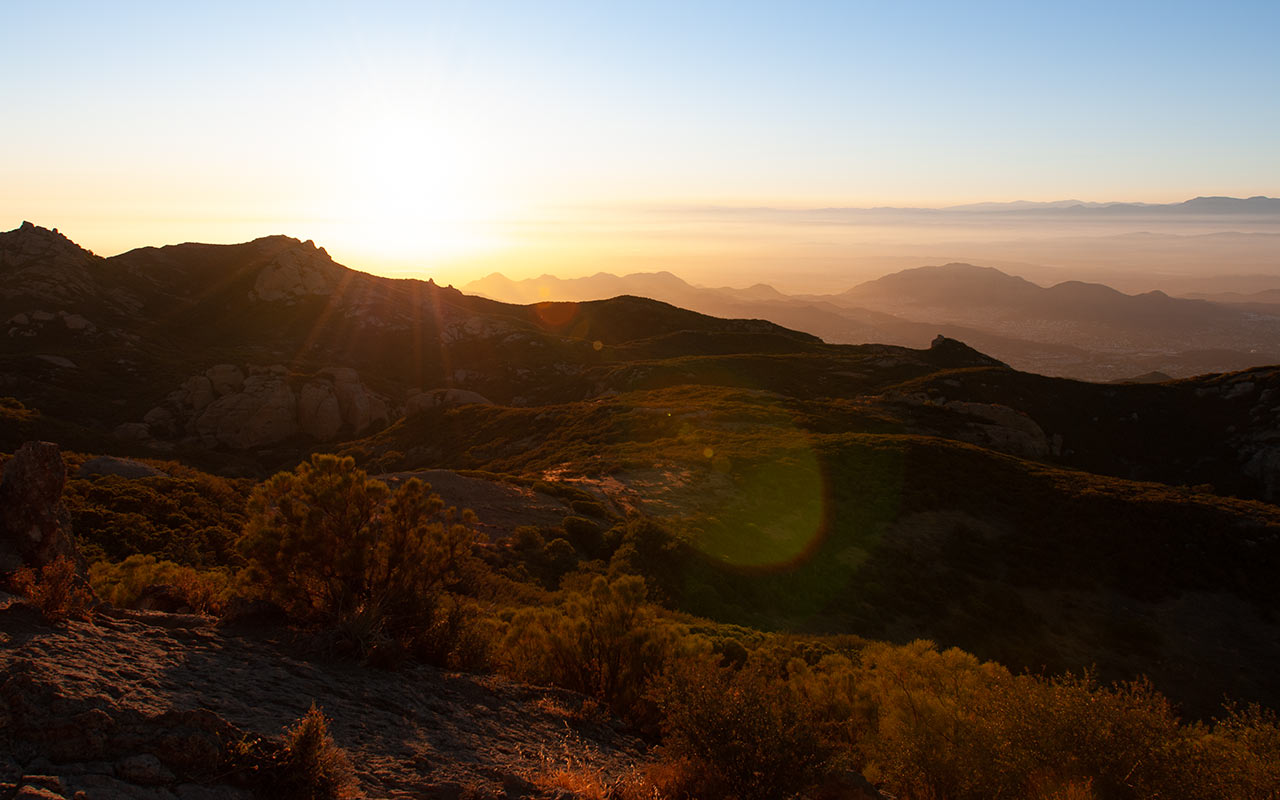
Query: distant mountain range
pixel 1257 205
pixel 1073 329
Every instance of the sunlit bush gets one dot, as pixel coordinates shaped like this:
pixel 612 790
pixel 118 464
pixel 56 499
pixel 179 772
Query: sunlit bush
pixel 124 583
pixel 56 589
pixel 332 546
pixel 305 764
pixel 604 642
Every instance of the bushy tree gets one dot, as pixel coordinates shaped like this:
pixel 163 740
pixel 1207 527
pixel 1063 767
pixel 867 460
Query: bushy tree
pixel 330 543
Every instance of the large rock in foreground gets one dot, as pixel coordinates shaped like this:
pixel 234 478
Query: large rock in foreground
pixel 35 526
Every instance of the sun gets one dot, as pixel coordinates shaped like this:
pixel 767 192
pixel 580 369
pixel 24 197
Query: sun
pixel 406 191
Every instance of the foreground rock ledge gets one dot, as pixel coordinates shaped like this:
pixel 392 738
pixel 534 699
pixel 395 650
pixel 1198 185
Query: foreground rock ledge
pixel 136 705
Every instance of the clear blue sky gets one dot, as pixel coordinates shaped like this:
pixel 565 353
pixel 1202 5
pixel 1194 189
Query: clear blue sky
pixel 248 114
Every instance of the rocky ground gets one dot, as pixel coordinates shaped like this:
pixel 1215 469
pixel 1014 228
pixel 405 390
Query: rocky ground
pixel 141 704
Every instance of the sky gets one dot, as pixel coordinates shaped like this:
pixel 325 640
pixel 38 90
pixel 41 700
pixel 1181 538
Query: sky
pixel 451 138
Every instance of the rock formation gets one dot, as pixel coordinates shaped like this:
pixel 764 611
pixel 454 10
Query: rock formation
pixel 122 467
pixel 421 401
pixel 242 408
pixel 42 264
pixel 292 274
pixel 34 524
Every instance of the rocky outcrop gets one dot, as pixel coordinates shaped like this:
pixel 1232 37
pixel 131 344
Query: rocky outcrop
pixel 986 424
pixel 297 272
pixel 166 696
pixel 33 323
pixel 359 407
pixel 35 527
pixel 121 467
pixel 42 264
pixel 242 408
pixel 421 401
pixel 1005 429
pixel 319 411
pixel 1259 443
pixel 947 352
pixel 263 412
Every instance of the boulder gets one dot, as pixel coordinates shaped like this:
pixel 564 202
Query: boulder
pixel 160 421
pixel 138 432
pixel 319 414
pixel 225 379
pixel 123 467
pixel 360 408
pixel 35 527
pixel 264 413
pixel 198 391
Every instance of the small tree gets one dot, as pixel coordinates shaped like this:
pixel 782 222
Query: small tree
pixel 330 543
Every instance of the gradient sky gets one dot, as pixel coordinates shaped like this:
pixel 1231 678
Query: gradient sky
pixel 420 136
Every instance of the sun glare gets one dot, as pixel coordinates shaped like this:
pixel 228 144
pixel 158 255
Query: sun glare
pixel 410 192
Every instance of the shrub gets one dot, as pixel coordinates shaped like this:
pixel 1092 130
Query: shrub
pixel 12 410
pixel 305 764
pixel 122 584
pixel 604 642
pixel 584 535
pixel 57 590
pixel 737 733
pixel 943 724
pixel 331 545
pixel 311 766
